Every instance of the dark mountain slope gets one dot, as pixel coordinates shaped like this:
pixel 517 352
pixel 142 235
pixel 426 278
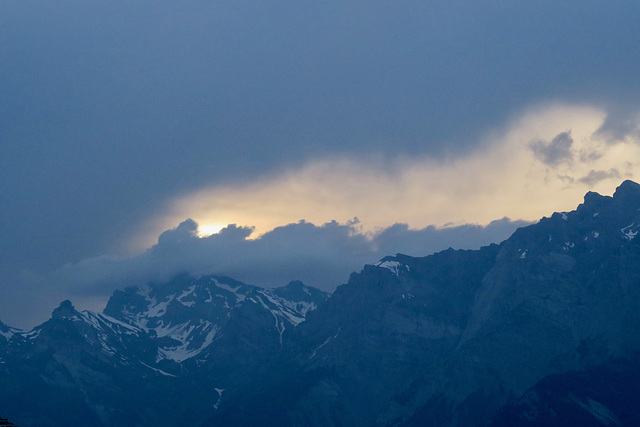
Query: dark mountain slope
pixel 602 395
pixel 450 338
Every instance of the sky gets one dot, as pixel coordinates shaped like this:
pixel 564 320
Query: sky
pixel 283 140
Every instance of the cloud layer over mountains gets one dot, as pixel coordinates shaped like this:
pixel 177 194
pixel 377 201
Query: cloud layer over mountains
pixel 322 256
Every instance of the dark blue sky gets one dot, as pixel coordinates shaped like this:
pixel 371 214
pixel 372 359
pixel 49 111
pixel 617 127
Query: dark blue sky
pixel 109 111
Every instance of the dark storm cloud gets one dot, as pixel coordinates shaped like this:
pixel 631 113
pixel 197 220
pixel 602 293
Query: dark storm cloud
pixel 554 152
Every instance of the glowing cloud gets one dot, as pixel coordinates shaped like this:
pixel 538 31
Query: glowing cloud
pixel 544 161
pixel 210 228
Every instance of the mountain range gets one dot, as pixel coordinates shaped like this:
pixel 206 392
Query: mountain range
pixel 541 329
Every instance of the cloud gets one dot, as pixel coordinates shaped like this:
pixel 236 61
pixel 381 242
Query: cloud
pixel 528 168
pixel 596 176
pixel 621 125
pixel 321 256
pixel 400 238
pixel 555 152
pixel 183 232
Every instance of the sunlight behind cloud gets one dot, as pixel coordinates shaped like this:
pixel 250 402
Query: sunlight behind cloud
pixel 544 161
pixel 208 229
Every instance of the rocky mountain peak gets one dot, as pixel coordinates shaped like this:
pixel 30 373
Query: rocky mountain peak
pixel 594 200
pixel 628 188
pixel 64 311
pixel 627 195
pixel 298 292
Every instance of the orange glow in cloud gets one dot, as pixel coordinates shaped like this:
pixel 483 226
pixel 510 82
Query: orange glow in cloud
pixel 542 162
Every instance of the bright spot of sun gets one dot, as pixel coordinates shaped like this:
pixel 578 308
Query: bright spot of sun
pixel 209 229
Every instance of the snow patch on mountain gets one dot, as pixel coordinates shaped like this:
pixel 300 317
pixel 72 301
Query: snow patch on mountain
pixel 185 335
pixel 287 309
pixel 240 297
pixel 160 371
pixel 101 321
pixel 188 315
pixel 598 410
pixel 394 266
pixel 630 231
pixel 315 351
pixel 8 331
pixel 186 293
pixel 219 391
